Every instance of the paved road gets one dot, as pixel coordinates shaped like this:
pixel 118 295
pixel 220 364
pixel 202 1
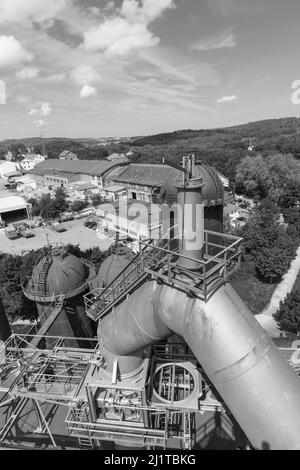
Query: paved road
pixel 76 234
pixel 266 317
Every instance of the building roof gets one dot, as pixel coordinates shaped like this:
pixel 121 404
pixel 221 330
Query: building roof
pixel 117 156
pixel 12 203
pixel 85 167
pixel 31 157
pixel 146 174
pixel 114 188
pixel 67 153
pixel 166 179
pixel 84 186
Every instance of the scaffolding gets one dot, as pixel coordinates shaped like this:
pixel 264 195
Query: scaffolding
pixel 69 377
pixel 164 265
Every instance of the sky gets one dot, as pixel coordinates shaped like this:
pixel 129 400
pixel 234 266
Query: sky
pixel 97 68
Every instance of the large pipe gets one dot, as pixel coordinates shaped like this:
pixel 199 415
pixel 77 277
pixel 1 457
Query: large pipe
pixel 256 383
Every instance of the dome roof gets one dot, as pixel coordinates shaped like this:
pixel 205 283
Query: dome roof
pixel 111 267
pixel 60 273
pixel 212 192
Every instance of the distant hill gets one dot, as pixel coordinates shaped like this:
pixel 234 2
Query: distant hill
pixel 222 148
pixel 259 130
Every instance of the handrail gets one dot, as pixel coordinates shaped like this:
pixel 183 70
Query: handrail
pixel 215 271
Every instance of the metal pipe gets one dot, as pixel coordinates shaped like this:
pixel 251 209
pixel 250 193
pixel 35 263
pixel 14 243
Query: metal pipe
pixel 191 221
pixel 256 383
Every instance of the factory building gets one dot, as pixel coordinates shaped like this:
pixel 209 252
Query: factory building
pixel 13 208
pixel 62 173
pixel 152 183
pixel 7 168
pixel 30 161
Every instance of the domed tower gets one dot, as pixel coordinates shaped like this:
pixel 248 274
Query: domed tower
pixel 57 284
pixel 113 265
pixel 212 194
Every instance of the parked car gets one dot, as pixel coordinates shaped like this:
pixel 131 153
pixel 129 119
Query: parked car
pixel 58 227
pixel 66 217
pixel 92 224
pixel 11 232
pixel 25 232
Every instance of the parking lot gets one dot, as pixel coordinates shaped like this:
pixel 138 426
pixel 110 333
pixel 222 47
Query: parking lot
pixel 76 234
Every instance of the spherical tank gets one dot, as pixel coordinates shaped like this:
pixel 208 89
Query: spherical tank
pixel 112 266
pixel 61 274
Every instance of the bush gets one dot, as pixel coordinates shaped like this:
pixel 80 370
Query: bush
pixel 78 206
pixel 288 314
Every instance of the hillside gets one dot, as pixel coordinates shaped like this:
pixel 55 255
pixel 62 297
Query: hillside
pixel 259 130
pixel 223 148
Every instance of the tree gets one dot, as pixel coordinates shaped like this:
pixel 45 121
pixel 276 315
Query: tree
pixel 253 177
pixel 96 199
pixel 291 194
pixel 288 314
pixel 78 206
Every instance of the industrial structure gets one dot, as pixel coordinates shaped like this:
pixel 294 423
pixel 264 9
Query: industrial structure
pixel 57 285
pixel 179 361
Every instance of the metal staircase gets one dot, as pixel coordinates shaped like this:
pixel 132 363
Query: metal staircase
pixel 41 281
pixel 99 303
pixel 46 324
pixel 165 265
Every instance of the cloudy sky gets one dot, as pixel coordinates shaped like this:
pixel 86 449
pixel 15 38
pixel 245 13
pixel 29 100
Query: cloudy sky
pixel 92 68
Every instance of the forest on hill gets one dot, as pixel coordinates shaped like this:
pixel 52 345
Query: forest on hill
pixel 222 148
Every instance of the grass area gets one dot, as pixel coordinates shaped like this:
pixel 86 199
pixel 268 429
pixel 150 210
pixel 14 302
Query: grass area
pixel 255 293
pixel 296 285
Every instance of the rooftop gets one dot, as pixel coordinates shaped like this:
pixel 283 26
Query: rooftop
pixel 87 167
pixel 114 188
pixel 84 186
pixel 12 203
pixel 166 179
pixel 146 174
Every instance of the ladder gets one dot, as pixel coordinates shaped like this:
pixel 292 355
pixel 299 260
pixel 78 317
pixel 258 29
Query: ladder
pixel 85 443
pixel 57 308
pixel 41 285
pixel 133 276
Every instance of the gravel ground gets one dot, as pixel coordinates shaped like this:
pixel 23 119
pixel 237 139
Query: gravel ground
pixel 76 234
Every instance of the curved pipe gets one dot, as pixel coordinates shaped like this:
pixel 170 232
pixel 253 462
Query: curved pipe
pixel 255 382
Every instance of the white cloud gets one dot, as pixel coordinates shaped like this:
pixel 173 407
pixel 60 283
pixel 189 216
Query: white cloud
pixel 88 91
pixel 84 74
pixel 40 123
pixel 221 41
pixel 144 11
pixel 119 35
pixel 228 99
pixel 18 11
pixel 12 52
pixel 46 109
pixel 43 110
pixel 28 72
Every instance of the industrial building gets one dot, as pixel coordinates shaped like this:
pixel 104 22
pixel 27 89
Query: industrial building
pixel 62 173
pixel 30 161
pixel 178 361
pixel 13 208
